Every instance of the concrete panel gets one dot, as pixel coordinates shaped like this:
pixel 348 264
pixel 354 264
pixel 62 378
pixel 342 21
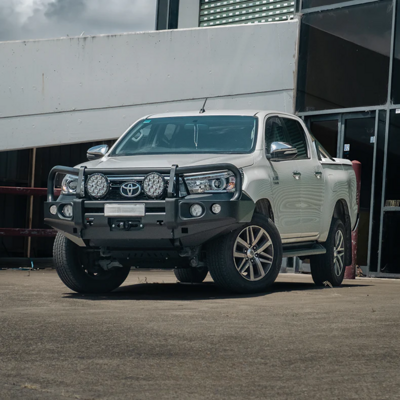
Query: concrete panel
pixel 78 89
pixel 189 11
pixel 102 71
pixel 109 123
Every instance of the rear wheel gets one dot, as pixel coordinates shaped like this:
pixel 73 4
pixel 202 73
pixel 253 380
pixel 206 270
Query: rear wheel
pixel 248 259
pixel 329 267
pixel 191 275
pixel 79 271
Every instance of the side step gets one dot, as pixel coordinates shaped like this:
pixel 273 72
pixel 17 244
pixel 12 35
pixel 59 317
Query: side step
pixel 308 251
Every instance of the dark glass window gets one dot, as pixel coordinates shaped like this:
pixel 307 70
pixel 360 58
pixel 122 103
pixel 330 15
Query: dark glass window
pixel 326 132
pixel 167 14
pixel 162 15
pixel 390 258
pixel 296 136
pixel 173 14
pixel 319 3
pixel 396 61
pixel 344 57
pixel 392 194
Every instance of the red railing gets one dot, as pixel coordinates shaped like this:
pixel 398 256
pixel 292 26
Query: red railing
pixel 25 232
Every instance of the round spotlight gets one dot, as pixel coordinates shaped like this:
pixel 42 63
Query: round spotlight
pixel 216 208
pixel 154 185
pixel 97 186
pixel 53 209
pixel 196 210
pixel 67 211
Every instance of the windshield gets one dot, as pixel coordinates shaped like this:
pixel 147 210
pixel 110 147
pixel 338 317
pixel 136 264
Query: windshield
pixel 185 135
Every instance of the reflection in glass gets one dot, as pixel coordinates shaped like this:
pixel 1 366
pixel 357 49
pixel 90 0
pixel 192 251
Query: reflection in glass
pixel 344 57
pixel 319 3
pixel 396 61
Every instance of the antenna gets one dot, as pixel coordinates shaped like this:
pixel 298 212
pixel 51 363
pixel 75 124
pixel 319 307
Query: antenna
pixel 202 109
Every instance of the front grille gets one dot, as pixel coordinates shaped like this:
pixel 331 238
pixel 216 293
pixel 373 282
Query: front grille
pixel 116 181
pixel 114 194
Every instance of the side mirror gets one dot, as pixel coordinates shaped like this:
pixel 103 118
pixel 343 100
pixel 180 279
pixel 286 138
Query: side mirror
pixel 281 151
pixel 97 152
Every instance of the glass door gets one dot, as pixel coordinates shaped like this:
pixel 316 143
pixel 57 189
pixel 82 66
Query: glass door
pixel 352 136
pixel 358 144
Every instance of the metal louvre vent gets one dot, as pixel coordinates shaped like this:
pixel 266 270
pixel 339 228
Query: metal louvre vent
pixel 230 12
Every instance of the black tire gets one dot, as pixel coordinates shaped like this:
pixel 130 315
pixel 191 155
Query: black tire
pixel 75 271
pixel 191 275
pixel 223 266
pixel 324 267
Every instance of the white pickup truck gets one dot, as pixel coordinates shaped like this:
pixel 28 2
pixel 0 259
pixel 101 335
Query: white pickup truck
pixel 225 192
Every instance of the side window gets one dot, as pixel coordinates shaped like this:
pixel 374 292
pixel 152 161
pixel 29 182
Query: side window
pixel 297 137
pixel 274 132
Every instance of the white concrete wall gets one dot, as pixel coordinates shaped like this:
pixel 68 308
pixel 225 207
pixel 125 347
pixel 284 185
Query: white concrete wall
pixel 74 90
pixel 189 12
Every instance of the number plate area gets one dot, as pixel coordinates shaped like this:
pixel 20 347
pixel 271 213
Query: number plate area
pixel 124 210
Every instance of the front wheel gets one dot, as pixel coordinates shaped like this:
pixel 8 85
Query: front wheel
pixel 78 270
pixel 248 259
pixel 329 267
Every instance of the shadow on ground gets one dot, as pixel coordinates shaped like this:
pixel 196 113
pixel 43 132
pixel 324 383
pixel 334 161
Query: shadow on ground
pixel 187 291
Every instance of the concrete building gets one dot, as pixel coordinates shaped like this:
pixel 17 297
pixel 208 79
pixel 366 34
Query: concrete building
pixel 334 63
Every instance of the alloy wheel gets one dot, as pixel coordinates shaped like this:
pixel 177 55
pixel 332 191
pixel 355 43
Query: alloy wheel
pixel 338 253
pixel 253 253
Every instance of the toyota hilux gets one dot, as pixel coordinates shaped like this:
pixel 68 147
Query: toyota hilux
pixel 224 192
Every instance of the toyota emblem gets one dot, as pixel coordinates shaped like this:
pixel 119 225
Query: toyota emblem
pixel 130 189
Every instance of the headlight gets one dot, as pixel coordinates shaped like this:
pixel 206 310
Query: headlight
pixel 213 183
pixel 97 185
pixel 69 184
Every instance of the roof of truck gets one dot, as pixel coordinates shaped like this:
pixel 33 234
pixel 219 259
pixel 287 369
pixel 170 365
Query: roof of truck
pixel 216 112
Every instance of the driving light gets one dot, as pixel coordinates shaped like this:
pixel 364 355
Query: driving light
pixel 196 210
pixel 97 186
pixel 53 209
pixel 67 211
pixel 216 208
pixel 154 185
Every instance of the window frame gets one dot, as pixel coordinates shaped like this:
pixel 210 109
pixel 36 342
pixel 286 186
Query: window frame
pixel 281 116
pixel 304 130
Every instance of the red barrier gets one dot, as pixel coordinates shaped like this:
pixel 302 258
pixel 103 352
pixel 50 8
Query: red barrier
pixel 350 272
pixel 28 232
pixel 27 191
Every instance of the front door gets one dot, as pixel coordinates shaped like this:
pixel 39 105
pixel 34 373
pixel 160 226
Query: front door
pixel 286 186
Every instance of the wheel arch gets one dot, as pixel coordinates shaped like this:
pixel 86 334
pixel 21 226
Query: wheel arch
pixel 263 206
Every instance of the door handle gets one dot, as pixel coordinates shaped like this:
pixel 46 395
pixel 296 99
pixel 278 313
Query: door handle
pixel 296 174
pixel 318 174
